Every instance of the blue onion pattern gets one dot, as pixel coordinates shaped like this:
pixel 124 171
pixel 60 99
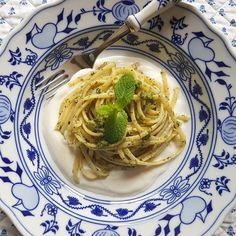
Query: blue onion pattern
pixel 50 185
pixel 75 228
pixel 221 185
pixel 227 127
pixel 5 109
pixel 57 56
pixel 121 10
pixel 181 65
pixel 105 232
pixel 228 130
pixel 176 190
pixel 50 225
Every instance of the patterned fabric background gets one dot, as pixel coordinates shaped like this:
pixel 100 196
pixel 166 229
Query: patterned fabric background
pixel 220 13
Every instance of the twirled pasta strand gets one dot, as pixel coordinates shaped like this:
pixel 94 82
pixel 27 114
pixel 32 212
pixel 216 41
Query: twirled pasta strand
pixel 152 124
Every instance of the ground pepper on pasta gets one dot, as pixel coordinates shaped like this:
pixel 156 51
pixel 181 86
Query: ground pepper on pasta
pixel 152 122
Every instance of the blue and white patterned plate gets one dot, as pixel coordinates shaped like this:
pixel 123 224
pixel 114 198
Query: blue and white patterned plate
pixel 195 192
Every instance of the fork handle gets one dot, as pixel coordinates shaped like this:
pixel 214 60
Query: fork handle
pixel 134 22
pixel 155 7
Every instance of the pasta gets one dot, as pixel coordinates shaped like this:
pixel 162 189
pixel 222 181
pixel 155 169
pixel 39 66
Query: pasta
pixel 152 122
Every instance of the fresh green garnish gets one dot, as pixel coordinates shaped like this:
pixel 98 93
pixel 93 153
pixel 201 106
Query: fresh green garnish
pixel 116 119
pixel 115 126
pixel 124 90
pixel 105 110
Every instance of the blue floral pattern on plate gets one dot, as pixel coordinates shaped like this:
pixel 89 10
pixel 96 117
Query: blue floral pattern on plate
pixel 201 184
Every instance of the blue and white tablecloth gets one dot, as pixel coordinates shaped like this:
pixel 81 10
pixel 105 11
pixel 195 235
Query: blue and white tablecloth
pixel 221 14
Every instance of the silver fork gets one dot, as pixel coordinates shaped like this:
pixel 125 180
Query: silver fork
pixel 86 60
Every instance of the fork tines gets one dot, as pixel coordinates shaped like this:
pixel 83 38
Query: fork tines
pixel 50 78
pixel 52 83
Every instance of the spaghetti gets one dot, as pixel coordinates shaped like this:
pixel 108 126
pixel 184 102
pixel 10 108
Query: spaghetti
pixel 152 122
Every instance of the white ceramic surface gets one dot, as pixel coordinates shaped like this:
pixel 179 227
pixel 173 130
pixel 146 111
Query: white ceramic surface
pixel 192 195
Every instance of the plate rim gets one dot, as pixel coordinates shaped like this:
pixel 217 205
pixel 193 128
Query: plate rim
pixel 7 40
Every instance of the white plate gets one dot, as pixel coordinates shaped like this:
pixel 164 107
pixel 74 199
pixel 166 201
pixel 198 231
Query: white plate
pixel 191 195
